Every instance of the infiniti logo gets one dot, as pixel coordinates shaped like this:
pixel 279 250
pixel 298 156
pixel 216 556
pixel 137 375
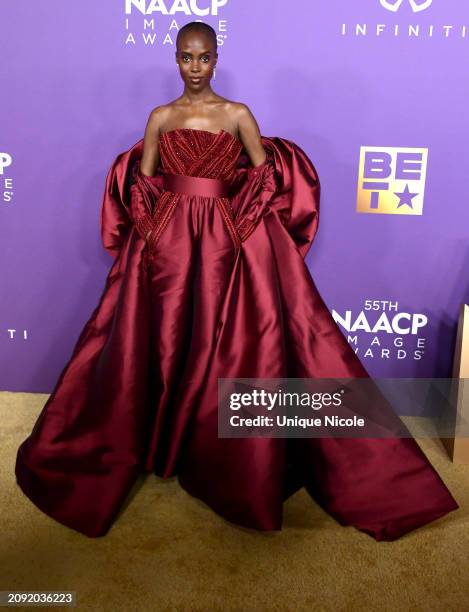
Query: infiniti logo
pixel 395 5
pixel 389 29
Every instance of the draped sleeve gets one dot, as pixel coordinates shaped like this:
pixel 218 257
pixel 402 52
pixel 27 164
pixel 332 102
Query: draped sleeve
pixel 252 199
pixel 115 212
pixel 287 184
pixel 145 192
pixel 129 199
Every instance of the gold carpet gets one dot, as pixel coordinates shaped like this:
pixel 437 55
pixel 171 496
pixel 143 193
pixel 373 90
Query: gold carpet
pixel 170 552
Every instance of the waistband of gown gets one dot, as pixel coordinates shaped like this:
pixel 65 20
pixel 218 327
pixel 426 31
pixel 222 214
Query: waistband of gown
pixel 196 185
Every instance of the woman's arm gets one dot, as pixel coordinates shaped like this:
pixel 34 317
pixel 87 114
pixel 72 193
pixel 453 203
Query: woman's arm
pixel 151 154
pixel 250 135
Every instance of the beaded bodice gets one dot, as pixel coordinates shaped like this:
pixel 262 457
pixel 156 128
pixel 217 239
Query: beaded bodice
pixel 199 153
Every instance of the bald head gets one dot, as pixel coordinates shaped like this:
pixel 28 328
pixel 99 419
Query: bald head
pixel 197 27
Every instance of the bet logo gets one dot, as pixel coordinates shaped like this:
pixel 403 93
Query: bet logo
pixel 391 180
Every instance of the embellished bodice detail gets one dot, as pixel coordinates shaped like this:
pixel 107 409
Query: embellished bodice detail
pixel 199 153
pixel 200 163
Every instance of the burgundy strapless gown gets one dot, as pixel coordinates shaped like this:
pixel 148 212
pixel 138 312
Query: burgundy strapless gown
pixel 207 285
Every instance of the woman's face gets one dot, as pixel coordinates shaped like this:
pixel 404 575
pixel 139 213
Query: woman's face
pixel 196 58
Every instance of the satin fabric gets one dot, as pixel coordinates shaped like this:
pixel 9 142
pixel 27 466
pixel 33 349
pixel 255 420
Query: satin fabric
pixel 196 185
pixel 205 287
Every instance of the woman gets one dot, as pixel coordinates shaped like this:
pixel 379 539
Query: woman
pixel 209 223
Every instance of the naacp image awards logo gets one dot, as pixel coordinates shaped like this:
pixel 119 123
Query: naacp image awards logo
pixel 157 22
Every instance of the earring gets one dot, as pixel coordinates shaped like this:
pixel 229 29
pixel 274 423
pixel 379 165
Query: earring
pixel 214 74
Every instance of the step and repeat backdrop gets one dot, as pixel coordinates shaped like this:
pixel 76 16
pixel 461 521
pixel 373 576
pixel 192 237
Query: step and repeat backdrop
pixel 375 91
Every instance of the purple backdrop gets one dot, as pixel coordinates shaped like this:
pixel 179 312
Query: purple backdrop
pixel 78 83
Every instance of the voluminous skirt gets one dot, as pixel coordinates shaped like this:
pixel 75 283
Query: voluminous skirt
pixel 222 291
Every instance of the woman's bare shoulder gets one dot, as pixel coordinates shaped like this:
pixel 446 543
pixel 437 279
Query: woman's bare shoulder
pixel 236 111
pixel 234 105
pixel 160 116
pixel 239 110
pixel 161 112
